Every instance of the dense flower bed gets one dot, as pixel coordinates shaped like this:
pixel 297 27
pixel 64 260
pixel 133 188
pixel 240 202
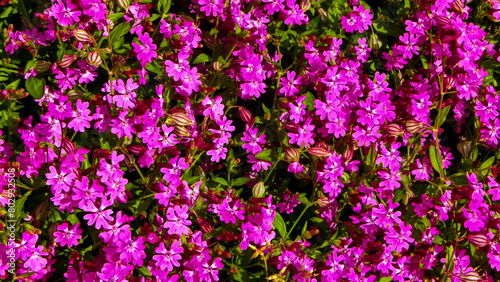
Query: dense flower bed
pixel 248 140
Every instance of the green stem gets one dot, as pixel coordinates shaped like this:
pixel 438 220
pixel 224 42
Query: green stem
pixel 297 221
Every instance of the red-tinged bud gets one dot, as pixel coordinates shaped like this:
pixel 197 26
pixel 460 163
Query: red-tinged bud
pixel 82 35
pixel 393 129
pixel 453 59
pixel 67 61
pixel 181 119
pixel 94 58
pixel 464 148
pixel 305 5
pixel 102 153
pixel 128 161
pixel 319 152
pixel 292 127
pixel 78 173
pixel 181 131
pixel 204 225
pixel 119 61
pixel 42 211
pixel 470 277
pixel 442 20
pixel 137 150
pixel 42 66
pixel 245 115
pixel 414 126
pixel 52 229
pixel 449 82
pixel 74 95
pixel 274 260
pixel 171 151
pixel 207 146
pixel 292 155
pixel 478 240
pixel 348 153
pixel 67 145
pixel 155 188
pixel 259 190
pixel 458 6
pixel 323 202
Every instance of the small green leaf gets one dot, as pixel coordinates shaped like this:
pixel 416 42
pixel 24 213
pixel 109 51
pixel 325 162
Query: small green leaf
pixel 280 225
pixel 36 87
pixel 436 160
pixel 220 180
pixel 487 163
pixel 443 115
pixel 264 155
pixel 241 181
pixel 202 58
pixel 19 213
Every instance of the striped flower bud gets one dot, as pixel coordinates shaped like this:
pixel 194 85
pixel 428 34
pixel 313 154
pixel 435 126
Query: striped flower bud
pixel 374 42
pixel 414 126
pixel 292 127
pixel 305 5
pixel 42 211
pixel 393 129
pixel 319 152
pixel 478 240
pixel 94 59
pixel 258 189
pixel 181 119
pixel 245 114
pixel 442 20
pixel 82 35
pixel 471 276
pixel 457 6
pixel 124 4
pixel 464 148
pixel 303 174
pixel 449 82
pixel 204 225
pixel 291 154
pixel 181 131
pixel 74 95
pixel 42 66
pixel 67 61
pixel 68 146
pixel 137 150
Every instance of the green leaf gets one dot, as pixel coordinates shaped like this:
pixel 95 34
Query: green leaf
pixel 116 16
pixel 36 87
pixel 202 58
pixel 117 34
pixel 19 213
pixel 437 162
pixel 164 6
pixel 264 155
pixel 220 180
pixel 280 225
pixel 266 109
pixel 487 163
pixel 443 115
pixel 241 181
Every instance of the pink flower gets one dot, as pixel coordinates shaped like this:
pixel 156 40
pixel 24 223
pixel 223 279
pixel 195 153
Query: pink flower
pixel 67 14
pixel 68 236
pixel 121 126
pixel 99 216
pixel 211 7
pixel 253 145
pixel 305 136
pixel 290 85
pixel 399 239
pixel 167 259
pixel 145 52
pixel 81 117
pixel 177 220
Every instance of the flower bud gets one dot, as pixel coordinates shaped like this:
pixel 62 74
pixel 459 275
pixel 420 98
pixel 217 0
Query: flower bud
pixel 181 131
pixel 323 14
pixel 42 66
pixel 94 59
pixel 291 154
pixel 258 190
pixel 124 4
pixel 471 276
pixel 305 5
pixel 303 174
pixel 82 35
pixel 204 225
pixel 478 240
pixel 245 115
pixel 292 127
pixel 348 153
pixel 323 202
pixel 374 42
pixel 449 82
pixel 74 95
pixel 67 145
pixel 216 66
pixel 393 129
pixel 457 6
pixel 137 150
pixel 181 119
pixel 101 153
pixel 414 126
pixel 464 148
pixel 67 61
pixel 52 229
pixel 442 20
pixel 128 161
pixel 319 152
pixel 198 171
pixel 42 211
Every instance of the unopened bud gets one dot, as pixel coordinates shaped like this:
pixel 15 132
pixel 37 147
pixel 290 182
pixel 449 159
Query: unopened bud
pixel 124 4
pixel 258 190
pixel 348 154
pixel 67 61
pixel 303 174
pixel 458 6
pixel 101 153
pixel 128 161
pixel 393 129
pixel 292 155
pixel 449 82
pixel 323 14
pixel 464 148
pixel 67 145
pixel 305 5
pixel 442 20
pixel 319 152
pixel 204 225
pixel 82 35
pixel 470 277
pixel 52 229
pixel 414 126
pixel 42 211
pixel 198 171
pixel 245 115
pixel 181 131
pixel 181 119
pixel 374 42
pixel 478 240
pixel 74 95
pixel 137 150
pixel 216 66
pixel 94 59
pixel 42 66
pixel 292 127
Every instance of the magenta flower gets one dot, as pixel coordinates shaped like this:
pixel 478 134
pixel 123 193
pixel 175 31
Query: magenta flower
pixel 211 7
pixel 145 52
pixel 60 181
pixel 476 218
pixel 398 239
pixel 218 153
pixel 167 259
pixel 99 216
pixel 366 136
pixel 290 85
pixel 81 117
pixel 177 220
pixel 229 210
pixel 253 145
pixel 304 138
pixel 122 125
pixel 294 16
pixel 66 81
pixel 68 236
pixel 66 13
pixel 422 170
